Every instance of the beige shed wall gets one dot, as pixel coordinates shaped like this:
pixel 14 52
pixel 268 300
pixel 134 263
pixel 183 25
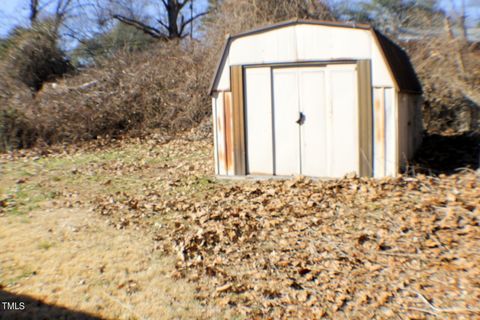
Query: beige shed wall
pixel 299 43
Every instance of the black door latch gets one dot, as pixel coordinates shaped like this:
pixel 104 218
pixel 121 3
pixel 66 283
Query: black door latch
pixel 301 118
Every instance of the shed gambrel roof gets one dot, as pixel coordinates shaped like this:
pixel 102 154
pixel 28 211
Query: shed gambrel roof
pixel 396 58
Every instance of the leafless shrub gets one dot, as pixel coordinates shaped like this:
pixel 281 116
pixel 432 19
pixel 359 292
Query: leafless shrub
pixel 34 57
pixel 450 73
pixel 16 130
pixel 163 88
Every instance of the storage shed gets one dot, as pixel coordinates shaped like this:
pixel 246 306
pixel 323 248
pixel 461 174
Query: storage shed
pixel 314 98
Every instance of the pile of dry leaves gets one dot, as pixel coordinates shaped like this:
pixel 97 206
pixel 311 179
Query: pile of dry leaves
pixel 349 248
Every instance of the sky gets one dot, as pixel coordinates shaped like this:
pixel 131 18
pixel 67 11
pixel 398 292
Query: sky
pixel 11 13
pixel 14 12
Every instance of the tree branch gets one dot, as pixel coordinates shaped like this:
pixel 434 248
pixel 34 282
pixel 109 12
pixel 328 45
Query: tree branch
pixel 183 4
pixel 34 10
pixel 165 3
pixel 163 24
pixel 155 33
pixel 190 20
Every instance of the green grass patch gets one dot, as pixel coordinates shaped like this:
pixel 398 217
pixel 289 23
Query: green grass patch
pixel 24 198
pixel 44 245
pixel 27 184
pixel 25 272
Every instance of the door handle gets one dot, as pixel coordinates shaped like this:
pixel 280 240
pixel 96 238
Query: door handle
pixel 301 118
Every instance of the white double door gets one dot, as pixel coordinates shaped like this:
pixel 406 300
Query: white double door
pixel 313 121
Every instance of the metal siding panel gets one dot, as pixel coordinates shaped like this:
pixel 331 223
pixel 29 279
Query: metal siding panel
pixel 402 129
pixel 300 90
pixel 286 131
pixel 410 127
pixel 214 123
pixel 277 45
pixel 398 63
pixel 229 142
pixel 313 131
pixel 379 132
pixel 238 125
pixel 220 133
pixel 381 73
pixel 390 129
pixel 258 121
pixel 224 80
pixel 332 43
pixel 302 41
pixel 385 146
pixel 343 120
pixel 365 116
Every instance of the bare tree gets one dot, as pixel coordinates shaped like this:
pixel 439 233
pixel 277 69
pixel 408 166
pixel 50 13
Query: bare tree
pixel 56 10
pixel 461 17
pixel 68 19
pixel 62 8
pixel 172 26
pixel 34 10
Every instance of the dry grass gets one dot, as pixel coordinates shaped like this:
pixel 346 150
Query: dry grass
pixel 71 258
pixel 56 250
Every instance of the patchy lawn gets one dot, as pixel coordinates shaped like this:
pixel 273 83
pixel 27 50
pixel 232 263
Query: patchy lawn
pixel 141 229
pixel 58 250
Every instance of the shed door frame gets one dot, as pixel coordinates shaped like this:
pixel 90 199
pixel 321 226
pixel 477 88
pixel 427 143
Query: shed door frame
pixel 364 101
